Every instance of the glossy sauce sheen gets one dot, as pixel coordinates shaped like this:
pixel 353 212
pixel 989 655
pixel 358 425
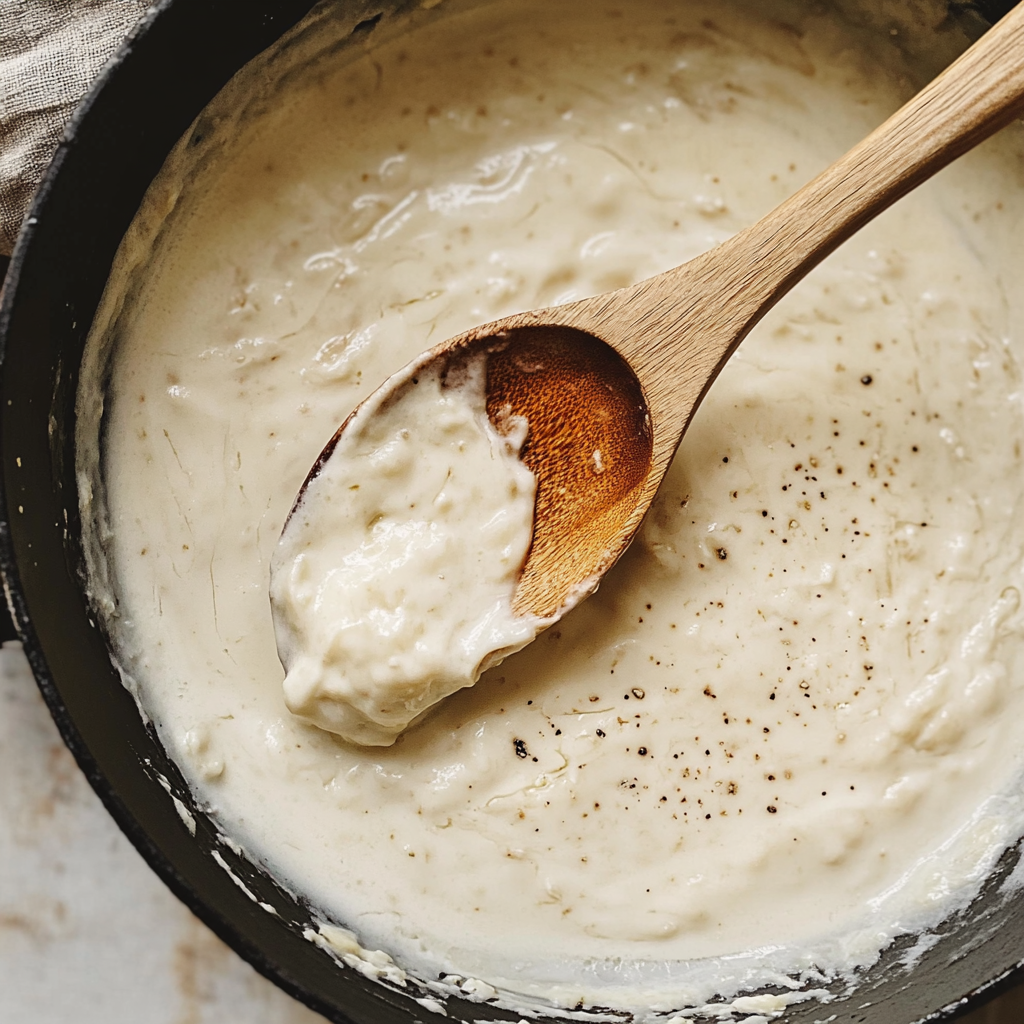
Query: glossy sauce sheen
pixel 792 716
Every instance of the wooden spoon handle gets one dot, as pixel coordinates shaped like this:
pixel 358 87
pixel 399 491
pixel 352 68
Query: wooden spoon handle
pixel 978 94
pixel 679 329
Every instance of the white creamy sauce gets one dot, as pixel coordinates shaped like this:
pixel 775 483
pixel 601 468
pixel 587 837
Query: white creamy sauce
pixel 790 725
pixel 393 581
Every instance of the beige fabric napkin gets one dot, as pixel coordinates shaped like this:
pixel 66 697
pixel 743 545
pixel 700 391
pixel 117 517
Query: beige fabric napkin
pixel 50 52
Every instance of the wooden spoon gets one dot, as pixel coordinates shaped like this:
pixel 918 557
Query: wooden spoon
pixel 608 385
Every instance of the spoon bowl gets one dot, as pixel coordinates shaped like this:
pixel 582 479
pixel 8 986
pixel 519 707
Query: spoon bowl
pixel 589 446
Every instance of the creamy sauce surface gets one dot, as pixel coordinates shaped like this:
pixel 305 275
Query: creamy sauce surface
pixel 789 725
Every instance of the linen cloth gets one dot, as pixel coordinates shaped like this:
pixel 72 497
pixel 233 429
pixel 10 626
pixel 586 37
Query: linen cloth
pixel 50 52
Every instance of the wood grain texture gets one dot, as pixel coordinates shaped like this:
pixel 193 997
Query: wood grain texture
pixel 622 374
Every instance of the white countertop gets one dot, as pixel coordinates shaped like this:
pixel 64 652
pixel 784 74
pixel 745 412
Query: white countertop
pixel 88 934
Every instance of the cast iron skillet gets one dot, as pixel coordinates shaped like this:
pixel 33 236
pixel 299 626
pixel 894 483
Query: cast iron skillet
pixel 179 57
